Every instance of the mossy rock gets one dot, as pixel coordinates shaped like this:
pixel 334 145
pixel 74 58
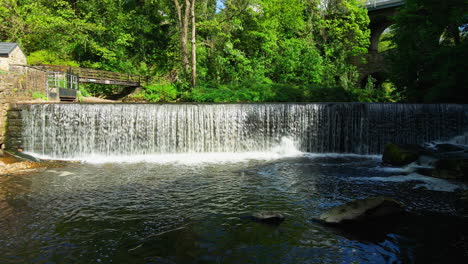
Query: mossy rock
pixel 362 210
pixel 400 155
pixel 453 169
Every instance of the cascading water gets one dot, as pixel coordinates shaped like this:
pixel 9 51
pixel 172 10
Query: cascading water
pixel 77 130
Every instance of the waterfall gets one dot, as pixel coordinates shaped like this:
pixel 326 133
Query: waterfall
pixel 76 130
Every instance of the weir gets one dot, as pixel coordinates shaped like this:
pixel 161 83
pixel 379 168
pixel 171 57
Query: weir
pixel 77 130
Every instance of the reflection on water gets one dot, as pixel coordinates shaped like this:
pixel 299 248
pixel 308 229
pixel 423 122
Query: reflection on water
pixel 176 213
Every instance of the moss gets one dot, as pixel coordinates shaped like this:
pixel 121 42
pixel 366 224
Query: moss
pixel 398 155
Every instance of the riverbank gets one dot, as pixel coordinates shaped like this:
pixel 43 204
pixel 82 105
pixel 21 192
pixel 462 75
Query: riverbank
pixel 10 164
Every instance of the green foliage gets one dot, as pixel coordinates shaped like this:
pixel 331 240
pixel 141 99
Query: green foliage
pixel 83 91
pixel 38 95
pixel 429 63
pixel 247 92
pixel 278 44
pixel 386 92
pixel 250 51
pixel 47 57
pixel 163 92
pixel 385 42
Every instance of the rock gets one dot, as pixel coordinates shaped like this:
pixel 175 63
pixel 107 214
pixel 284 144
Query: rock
pixel 19 167
pixel 452 168
pixel 462 202
pixel 400 155
pixel 441 148
pixel 426 160
pixel 23 156
pixel 425 171
pixel 361 210
pixel 464 195
pixel 268 217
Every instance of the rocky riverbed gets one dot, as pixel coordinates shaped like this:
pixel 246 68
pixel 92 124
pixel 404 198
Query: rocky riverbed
pixel 10 164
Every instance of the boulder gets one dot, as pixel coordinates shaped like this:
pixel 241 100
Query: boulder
pixel 400 155
pixel 462 203
pixel 442 148
pixel 452 169
pixel 268 217
pixel 426 160
pixel 362 210
pixel 425 171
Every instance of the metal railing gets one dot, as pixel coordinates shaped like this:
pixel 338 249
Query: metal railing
pixel 63 80
pixel 92 74
pixel 377 3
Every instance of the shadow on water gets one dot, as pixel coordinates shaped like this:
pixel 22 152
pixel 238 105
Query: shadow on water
pixel 430 238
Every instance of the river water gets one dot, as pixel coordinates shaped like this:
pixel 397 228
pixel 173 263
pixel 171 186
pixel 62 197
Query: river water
pixel 195 208
pixel 177 184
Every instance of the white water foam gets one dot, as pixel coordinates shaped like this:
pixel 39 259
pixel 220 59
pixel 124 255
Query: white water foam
pixel 429 183
pixel 395 169
pixel 285 149
pixel 461 140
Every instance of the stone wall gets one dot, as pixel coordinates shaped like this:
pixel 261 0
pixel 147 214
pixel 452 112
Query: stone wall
pixel 19 85
pixel 3 119
pixel 17 57
pixel 4 64
pixel 374 62
pixel 15 127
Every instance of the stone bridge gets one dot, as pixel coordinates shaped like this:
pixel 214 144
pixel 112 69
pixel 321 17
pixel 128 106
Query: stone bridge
pixel 380 13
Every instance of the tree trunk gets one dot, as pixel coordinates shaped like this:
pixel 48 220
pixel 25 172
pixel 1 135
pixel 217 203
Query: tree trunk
pixel 194 46
pixel 183 29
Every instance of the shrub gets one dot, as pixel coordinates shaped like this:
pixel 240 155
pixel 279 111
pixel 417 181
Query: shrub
pixel 164 92
pixel 38 95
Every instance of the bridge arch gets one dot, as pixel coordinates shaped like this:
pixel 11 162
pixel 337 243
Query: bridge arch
pixel 380 13
pixel 380 20
pixel 376 33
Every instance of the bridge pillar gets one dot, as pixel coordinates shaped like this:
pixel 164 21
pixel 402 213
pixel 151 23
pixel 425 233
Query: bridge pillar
pixel 380 19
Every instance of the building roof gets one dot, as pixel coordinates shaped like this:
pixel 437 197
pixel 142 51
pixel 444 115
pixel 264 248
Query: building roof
pixel 6 48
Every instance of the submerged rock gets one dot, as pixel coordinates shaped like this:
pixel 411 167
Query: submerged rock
pixel 426 160
pixel 425 171
pixel 400 155
pixel 361 210
pixel 268 217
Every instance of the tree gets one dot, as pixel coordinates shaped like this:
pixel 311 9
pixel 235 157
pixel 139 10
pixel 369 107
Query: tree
pixel 429 62
pixel 240 50
pixel 183 25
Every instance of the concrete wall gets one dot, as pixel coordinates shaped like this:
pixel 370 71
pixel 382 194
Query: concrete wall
pixel 18 85
pixel 16 57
